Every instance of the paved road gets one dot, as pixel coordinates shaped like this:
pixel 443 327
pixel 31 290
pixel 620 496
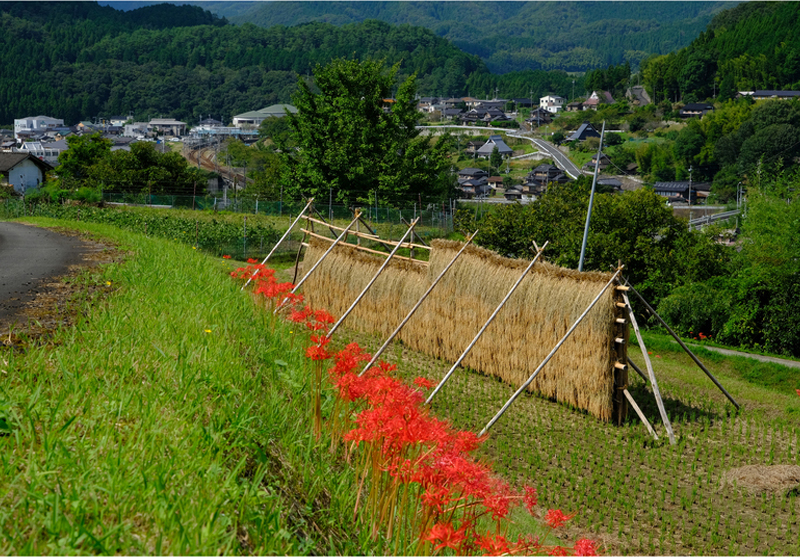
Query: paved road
pixel 28 256
pixel 561 160
pixel 759 357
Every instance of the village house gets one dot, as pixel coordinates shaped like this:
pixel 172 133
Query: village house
pixel 22 171
pixel 485 151
pixel 680 191
pixel 691 110
pixel 585 131
pixel 552 103
pixel 596 99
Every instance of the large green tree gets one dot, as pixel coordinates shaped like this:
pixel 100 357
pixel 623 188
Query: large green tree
pixel 353 143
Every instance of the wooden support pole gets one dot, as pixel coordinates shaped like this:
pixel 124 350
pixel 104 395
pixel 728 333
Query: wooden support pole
pixel 374 278
pixel 297 257
pixel 488 322
pixel 324 255
pixel 640 413
pixel 421 241
pixel 416 306
pixel 549 356
pixel 649 365
pixel 322 218
pixel 638 370
pixel 310 201
pixel 686 348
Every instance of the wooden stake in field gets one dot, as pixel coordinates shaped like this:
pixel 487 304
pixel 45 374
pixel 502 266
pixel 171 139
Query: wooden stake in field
pixel 416 306
pixel 374 278
pixel 310 201
pixel 682 345
pixel 488 322
pixel 649 366
pixel 549 356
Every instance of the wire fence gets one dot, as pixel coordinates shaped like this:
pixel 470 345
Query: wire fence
pixel 242 228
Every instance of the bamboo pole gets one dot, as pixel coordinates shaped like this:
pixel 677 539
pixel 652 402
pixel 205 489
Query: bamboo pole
pixel 324 222
pixel 376 239
pixel 339 228
pixel 324 255
pixel 686 348
pixel 416 306
pixel 297 257
pixel 421 241
pixel 310 201
pixel 367 250
pixel 371 282
pixel 649 365
pixel 488 322
pixel 550 355
pixel 640 413
pixel 637 370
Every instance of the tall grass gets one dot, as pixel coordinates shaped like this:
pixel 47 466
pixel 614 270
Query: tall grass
pixel 165 421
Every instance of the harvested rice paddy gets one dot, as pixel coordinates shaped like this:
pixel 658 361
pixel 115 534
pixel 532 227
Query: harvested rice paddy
pixel 641 496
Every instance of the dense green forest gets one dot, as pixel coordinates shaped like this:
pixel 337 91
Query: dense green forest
pixel 755 45
pixel 164 60
pixel 513 36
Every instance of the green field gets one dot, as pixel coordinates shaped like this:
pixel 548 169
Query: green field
pixel 172 418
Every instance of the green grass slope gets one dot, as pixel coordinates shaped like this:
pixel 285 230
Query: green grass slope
pixel 170 419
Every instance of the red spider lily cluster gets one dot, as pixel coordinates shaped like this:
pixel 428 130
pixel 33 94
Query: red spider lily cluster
pixel 418 484
pixel 700 336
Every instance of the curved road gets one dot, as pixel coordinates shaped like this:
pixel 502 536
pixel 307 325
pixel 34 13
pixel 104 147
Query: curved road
pixel 28 256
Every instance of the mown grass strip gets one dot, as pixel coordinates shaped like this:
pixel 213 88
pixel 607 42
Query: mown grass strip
pixel 169 419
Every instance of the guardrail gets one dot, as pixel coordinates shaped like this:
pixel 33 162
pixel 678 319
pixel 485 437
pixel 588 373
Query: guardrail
pixel 699 223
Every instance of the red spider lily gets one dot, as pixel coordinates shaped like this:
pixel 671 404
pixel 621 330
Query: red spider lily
pixel 585 547
pixel 530 498
pixel 298 316
pixel 423 383
pixel 493 545
pixel 798 392
pixel 251 261
pixel 437 497
pixel 317 353
pixel 444 533
pixel 226 257
pixel 320 340
pixel 323 316
pixel 557 551
pixel 555 518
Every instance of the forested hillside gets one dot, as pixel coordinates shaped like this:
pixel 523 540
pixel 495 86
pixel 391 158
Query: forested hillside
pixel 513 36
pixel 753 46
pixel 80 60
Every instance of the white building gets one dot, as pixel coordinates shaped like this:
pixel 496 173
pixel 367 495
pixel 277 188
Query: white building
pixel 552 103
pixel 137 129
pixel 48 152
pixel 168 126
pixel 255 117
pixel 35 125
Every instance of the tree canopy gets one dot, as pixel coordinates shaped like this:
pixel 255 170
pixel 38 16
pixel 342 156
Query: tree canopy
pixel 355 142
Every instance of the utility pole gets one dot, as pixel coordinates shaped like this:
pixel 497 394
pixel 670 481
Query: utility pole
pixel 690 197
pixel 591 198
